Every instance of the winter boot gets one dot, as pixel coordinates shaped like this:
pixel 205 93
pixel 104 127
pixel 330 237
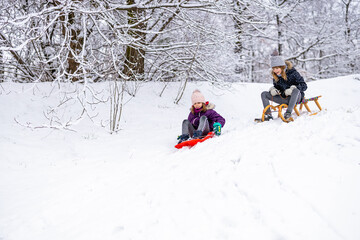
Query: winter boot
pixel 268 117
pixel 197 134
pixel 183 138
pixel 287 116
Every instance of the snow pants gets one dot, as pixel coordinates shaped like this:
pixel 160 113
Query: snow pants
pixel 291 100
pixel 188 128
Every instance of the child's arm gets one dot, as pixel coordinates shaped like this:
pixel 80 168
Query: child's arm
pixel 215 117
pixel 300 83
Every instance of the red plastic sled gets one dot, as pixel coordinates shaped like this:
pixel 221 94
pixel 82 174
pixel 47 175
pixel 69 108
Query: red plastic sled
pixel 193 142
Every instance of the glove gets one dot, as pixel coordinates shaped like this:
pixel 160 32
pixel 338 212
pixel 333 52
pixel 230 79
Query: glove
pixel 289 90
pixel 273 91
pixel 217 129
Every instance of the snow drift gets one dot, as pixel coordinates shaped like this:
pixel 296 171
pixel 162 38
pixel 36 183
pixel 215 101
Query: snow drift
pixel 256 181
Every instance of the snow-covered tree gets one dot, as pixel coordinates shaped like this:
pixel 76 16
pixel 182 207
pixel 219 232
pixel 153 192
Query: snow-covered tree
pixel 174 40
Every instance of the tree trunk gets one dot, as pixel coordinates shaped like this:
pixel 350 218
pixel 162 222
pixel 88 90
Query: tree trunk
pixel 134 63
pixel 347 22
pixel 75 48
pixel 238 27
pixel 278 23
pixel 1 67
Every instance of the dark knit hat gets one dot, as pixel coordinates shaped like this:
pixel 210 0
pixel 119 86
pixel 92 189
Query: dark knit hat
pixel 276 60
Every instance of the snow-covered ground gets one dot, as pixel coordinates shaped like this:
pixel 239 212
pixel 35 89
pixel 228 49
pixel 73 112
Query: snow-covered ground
pixel 269 181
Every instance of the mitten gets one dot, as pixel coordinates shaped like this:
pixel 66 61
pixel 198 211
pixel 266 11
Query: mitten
pixel 273 91
pixel 289 90
pixel 217 128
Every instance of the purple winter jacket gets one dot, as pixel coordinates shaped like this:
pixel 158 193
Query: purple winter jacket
pixel 211 115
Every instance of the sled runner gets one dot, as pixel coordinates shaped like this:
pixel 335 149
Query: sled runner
pixel 192 142
pixel 279 108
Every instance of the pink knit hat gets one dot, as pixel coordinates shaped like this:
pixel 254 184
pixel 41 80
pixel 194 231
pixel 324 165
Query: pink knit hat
pixel 197 97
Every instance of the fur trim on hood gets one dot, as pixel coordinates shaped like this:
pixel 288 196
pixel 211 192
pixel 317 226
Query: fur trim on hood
pixel 289 65
pixel 210 105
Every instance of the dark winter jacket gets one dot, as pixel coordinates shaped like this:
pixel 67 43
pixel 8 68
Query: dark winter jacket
pixel 211 115
pixel 293 78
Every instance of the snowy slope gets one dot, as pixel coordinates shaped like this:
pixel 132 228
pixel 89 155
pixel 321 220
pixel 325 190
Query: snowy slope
pixel 256 181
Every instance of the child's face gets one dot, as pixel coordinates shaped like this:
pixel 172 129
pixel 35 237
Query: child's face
pixel 198 105
pixel 277 70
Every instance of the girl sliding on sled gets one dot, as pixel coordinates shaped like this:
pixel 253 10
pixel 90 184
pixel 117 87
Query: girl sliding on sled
pixel 289 86
pixel 201 120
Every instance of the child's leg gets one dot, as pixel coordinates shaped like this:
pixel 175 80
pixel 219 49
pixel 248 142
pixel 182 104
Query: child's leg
pixel 266 97
pixel 294 98
pixel 204 125
pixel 187 128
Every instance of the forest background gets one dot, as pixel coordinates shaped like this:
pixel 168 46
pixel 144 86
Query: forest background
pixel 129 42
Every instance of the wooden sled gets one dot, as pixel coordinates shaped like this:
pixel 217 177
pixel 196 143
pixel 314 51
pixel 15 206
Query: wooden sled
pixel 304 102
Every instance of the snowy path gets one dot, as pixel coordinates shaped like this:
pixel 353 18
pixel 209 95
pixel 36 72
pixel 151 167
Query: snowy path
pixel 256 181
